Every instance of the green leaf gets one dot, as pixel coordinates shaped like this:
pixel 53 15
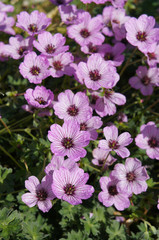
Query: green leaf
pixel 4 173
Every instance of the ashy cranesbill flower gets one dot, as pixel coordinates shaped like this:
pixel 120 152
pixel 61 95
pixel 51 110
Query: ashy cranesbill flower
pixel 90 125
pixel 97 73
pixel 113 54
pixel 34 68
pixel 114 142
pixel 60 65
pixel 141 32
pixel 122 117
pixel 148 139
pixel 131 176
pixel 70 14
pixel 6 23
pixel 106 105
pixel 71 186
pixel 6 7
pixel 57 162
pixel 70 106
pixel 68 140
pixel 50 45
pixel 33 23
pixel 145 80
pixel 87 31
pixel 3 52
pixel 40 193
pixel 18 46
pixel 153 57
pixel 40 97
pixel 111 195
pixel 99 156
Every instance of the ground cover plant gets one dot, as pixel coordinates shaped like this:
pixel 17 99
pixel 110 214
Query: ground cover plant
pixel 79 128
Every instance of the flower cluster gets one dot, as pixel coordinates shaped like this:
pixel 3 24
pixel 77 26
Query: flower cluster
pixel 93 72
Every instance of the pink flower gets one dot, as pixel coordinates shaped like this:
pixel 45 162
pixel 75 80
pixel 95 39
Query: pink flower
pixel 71 186
pixel 141 33
pixel 50 45
pixel 114 142
pixel 87 31
pixel 113 54
pixel 57 162
pixel 90 125
pixel 40 193
pixel 99 155
pixel 111 195
pixel 70 106
pixel 60 65
pixel 68 140
pixel 106 105
pixel 6 23
pixel 145 80
pixel 40 97
pixel 97 73
pixel 148 139
pixel 34 68
pixel 153 57
pixel 33 23
pixel 6 7
pixel 131 176
pixel 18 46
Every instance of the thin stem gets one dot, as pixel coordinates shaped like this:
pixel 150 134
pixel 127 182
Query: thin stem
pixel 6 127
pixel 105 162
pixel 92 167
pixel 11 157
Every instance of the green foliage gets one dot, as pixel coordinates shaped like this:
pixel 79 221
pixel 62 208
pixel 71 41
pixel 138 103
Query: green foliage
pixel 116 231
pixel 3 173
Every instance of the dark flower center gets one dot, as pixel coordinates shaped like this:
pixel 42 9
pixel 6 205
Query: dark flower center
pixel 41 194
pixel 57 65
pixel 94 75
pixel 101 161
pixel 112 190
pixel 72 110
pixel 35 71
pixel 109 24
pixel 21 50
pixel 40 100
pixel 146 80
pixel 69 189
pixel 33 28
pixel 93 99
pixel 115 21
pixel 152 142
pixel 151 55
pixel 113 144
pixel 130 176
pixel 84 33
pixel 108 56
pixel 50 49
pixel 141 36
pixel 60 2
pixel 83 127
pixel 67 143
pixel 92 49
pixel 108 93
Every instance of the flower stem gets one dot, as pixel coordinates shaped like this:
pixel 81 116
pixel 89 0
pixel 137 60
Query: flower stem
pixel 105 161
pixel 128 62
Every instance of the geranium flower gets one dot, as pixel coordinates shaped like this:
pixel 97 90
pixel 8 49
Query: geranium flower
pixel 40 193
pixel 141 33
pixel 68 140
pixel 33 23
pixel 111 195
pixel 132 176
pixel 40 97
pixel 71 186
pixel 145 80
pixel 70 106
pixel 148 139
pixel 114 142
pixel 34 68
pixel 97 73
